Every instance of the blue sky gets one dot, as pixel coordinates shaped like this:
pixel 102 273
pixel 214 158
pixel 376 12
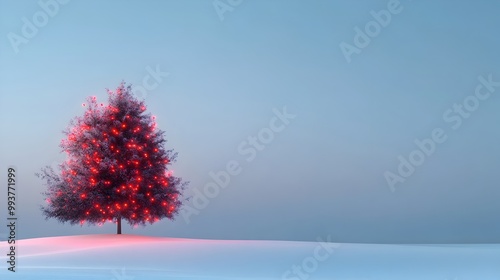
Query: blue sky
pixel 323 174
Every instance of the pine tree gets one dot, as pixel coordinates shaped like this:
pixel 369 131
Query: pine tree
pixel 116 167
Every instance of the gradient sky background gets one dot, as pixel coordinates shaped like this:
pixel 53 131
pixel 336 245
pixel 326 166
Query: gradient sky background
pixel 324 174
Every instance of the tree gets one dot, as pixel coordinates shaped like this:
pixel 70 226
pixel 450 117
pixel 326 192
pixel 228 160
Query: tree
pixel 116 167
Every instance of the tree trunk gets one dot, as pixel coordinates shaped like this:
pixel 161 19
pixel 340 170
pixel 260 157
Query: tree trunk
pixel 119 225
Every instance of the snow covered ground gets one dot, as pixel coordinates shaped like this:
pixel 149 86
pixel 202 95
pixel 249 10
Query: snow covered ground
pixel 130 257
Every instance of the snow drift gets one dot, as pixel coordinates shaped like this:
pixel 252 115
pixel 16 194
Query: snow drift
pixel 130 257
